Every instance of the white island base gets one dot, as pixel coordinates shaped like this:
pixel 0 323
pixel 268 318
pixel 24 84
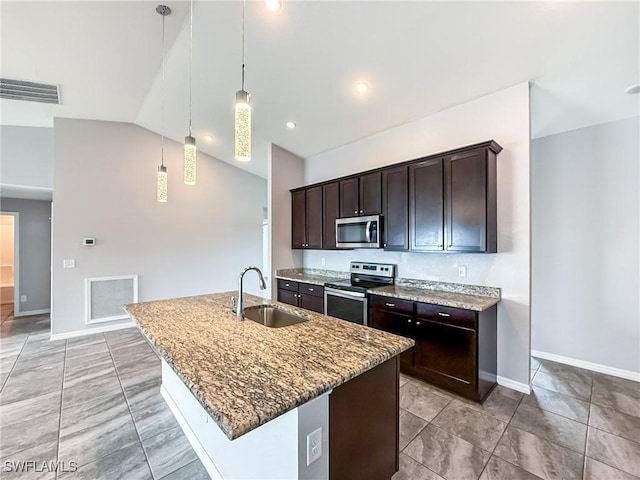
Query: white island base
pixel 275 450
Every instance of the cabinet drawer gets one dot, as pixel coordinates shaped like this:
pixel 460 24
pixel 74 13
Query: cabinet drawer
pixel 315 290
pixel 392 304
pixel 287 285
pixel 446 315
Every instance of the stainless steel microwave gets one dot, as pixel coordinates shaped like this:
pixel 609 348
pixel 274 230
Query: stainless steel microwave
pixel 359 232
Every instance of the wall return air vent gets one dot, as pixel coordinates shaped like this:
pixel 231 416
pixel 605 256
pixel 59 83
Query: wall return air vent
pixel 29 91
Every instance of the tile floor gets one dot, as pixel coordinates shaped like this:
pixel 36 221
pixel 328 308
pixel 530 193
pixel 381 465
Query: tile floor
pixel 576 424
pixel 95 400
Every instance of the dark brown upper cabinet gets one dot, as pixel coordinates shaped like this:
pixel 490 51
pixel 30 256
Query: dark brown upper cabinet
pixel 331 211
pixel 441 203
pixel 470 202
pixel 298 219
pixel 306 218
pixel 395 205
pixel 361 195
pixel 426 194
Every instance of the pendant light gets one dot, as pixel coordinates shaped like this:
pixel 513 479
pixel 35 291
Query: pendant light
pixel 190 152
pixel 243 113
pixel 162 180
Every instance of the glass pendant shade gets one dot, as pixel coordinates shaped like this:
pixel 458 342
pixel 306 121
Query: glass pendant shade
pixel 190 154
pixel 162 183
pixel 243 127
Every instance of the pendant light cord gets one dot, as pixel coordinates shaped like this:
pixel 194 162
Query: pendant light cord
pixel 162 141
pixel 243 7
pixel 190 63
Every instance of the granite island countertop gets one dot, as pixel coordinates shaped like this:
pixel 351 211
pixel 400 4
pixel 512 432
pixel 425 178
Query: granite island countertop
pixel 245 374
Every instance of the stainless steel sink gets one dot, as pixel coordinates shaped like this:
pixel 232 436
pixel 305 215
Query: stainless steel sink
pixel 272 316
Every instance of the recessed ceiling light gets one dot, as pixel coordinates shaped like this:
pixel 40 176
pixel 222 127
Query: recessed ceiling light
pixel 291 125
pixel 208 138
pixel 362 87
pixel 273 5
pixel 633 89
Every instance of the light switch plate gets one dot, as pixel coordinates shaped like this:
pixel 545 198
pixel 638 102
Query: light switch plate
pixel 69 263
pixel 462 271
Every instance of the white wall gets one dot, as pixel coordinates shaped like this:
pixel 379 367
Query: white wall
pixel 503 117
pixel 285 171
pixel 26 162
pixel 104 177
pixel 34 252
pixel 585 245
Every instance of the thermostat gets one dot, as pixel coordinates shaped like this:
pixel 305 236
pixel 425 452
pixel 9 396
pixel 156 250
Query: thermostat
pixel 88 242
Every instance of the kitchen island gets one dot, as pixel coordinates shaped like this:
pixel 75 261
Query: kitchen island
pixel 260 402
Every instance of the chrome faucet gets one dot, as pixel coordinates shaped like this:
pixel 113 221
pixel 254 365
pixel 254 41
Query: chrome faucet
pixel 240 304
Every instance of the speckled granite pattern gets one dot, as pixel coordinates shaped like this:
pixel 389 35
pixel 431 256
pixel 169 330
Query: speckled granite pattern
pixel 246 374
pixel 446 299
pixel 311 275
pixel 477 290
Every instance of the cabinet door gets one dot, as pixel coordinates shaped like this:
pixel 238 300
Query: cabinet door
pixel 349 198
pixel 314 218
pixel 426 201
pixel 446 353
pixel 466 202
pixel 330 211
pixel 298 218
pixel 395 203
pixel 287 296
pixel 394 323
pixel 311 302
pixel 371 194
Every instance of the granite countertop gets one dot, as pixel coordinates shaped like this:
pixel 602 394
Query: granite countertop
pixel 245 374
pixel 315 277
pixel 437 297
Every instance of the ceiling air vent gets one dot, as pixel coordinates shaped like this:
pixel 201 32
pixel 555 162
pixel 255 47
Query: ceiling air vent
pixel 29 91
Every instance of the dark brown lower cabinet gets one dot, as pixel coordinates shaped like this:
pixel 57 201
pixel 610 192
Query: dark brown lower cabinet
pixel 384 315
pixel 364 425
pixel 303 295
pixel 455 349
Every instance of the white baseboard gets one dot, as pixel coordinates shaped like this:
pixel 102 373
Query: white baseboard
pixel 31 312
pixel 193 439
pixel 594 367
pixel 513 385
pixel 89 331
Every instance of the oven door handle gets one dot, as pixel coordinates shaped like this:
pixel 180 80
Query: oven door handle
pixel 368 231
pixel 360 297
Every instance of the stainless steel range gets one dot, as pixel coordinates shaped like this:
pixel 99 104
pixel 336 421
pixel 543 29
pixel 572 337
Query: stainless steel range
pixel 347 299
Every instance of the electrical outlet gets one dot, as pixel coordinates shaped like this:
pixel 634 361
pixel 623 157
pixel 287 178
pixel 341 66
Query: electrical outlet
pixel 23 298
pixel 322 261
pixel 314 446
pixel 205 416
pixel 462 270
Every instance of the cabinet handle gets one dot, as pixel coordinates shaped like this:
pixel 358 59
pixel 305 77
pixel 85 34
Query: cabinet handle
pixel 417 323
pixel 384 245
pixel 286 284
pixel 409 321
pixel 390 304
pixel 444 314
pixel 360 211
pixel 355 211
pixel 311 289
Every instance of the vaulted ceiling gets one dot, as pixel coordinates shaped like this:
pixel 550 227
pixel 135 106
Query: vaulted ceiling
pixel 303 61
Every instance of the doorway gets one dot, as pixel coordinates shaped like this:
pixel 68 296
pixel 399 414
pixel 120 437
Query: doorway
pixel 9 294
